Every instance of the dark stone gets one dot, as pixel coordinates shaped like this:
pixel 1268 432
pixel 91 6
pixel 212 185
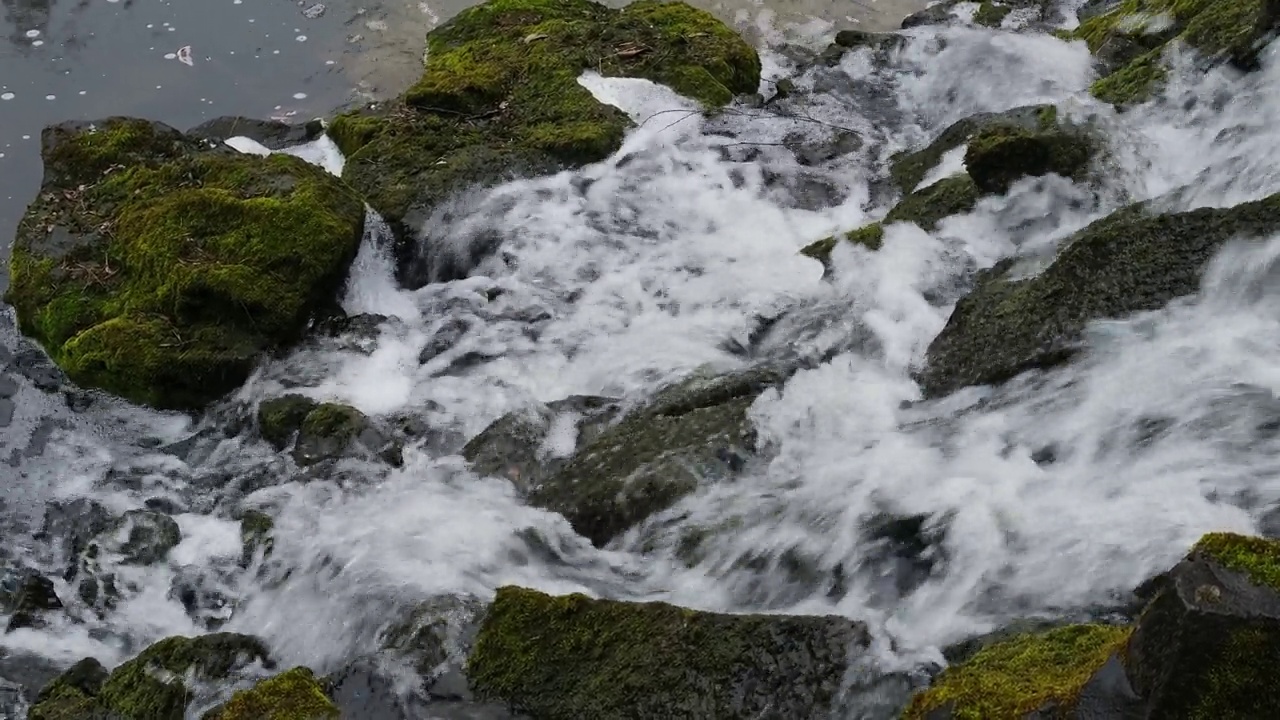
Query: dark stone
pixel 69 525
pixel 151 535
pixel 26 595
pixel 1131 261
pixel 272 134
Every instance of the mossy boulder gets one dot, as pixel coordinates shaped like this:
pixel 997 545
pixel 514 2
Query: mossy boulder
pixel 908 168
pixel 1131 38
pixel 569 657
pixel 1208 643
pixel 1038 675
pixel 332 431
pixel 999 155
pixel 870 237
pixel 159 269
pixel 1130 261
pixel 292 695
pixel 695 431
pixel 280 418
pixel 143 537
pixel 151 685
pixel 928 206
pixel 499 98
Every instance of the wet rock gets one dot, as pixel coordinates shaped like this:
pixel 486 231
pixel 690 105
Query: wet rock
pixel 513 446
pixel 1033 676
pixel 147 537
pixel 255 536
pixel 810 152
pixel 152 685
pixel 1130 40
pixel 444 338
pixel 36 367
pixel 692 432
pixel 165 284
pixel 272 134
pixel 435 640
pixel 908 168
pixel 22 675
pixel 204 596
pixel 902 552
pixel 563 657
pixel 998 155
pixel 280 418
pixel 292 694
pixel 26 596
pixel 332 431
pixel 1208 643
pixel 870 237
pixel 69 526
pixel 1130 261
pixel 477 118
pixel 929 205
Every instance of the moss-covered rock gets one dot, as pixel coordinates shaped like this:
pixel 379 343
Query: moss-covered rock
pixel 151 685
pixel 292 695
pixel 1208 643
pixel 159 269
pixel 991 14
pixel 927 206
pixel 500 98
pixel 279 418
pixel 72 695
pixel 870 237
pixel 1141 29
pixel 563 658
pixel 1020 677
pixel 332 430
pixel 1127 262
pixel 144 537
pixel 999 155
pixel 908 168
pixel 255 535
pixel 693 432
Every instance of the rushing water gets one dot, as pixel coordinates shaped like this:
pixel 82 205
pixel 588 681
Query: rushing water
pixel 1055 494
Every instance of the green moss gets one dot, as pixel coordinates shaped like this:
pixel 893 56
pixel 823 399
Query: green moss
pixel 928 206
pixel 1233 31
pixel 334 421
pixel 499 94
pixel 161 276
pixel 1012 679
pixel 991 14
pixel 869 236
pixel 279 418
pixel 292 695
pixel 1256 557
pixel 72 695
pixel 151 685
pixel 1240 682
pixel 255 534
pixel 1134 83
pixel 997 156
pixel 569 657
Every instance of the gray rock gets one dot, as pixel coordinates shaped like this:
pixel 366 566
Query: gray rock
pixel 272 134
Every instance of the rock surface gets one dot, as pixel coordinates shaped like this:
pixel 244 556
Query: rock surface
pixel 1207 645
pixel 499 98
pixel 558 658
pixel 158 269
pixel 1127 262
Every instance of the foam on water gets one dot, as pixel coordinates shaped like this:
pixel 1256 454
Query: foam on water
pixel 1054 494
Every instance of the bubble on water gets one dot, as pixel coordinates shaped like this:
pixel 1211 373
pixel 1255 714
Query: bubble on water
pixel 328 62
pixel 6 96
pixel 37 43
pixel 275 52
pixel 301 38
pixel 33 33
pixel 84 92
pixel 299 96
pixel 50 97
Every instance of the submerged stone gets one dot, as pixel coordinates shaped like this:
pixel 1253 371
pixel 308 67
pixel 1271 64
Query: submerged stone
pixel 25 596
pixel 569 657
pixel 149 536
pixel 159 269
pixel 1130 261
pixel 499 98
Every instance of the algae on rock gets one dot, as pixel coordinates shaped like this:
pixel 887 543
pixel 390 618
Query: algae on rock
pixel 291 695
pixel 158 269
pixel 570 657
pixel 500 97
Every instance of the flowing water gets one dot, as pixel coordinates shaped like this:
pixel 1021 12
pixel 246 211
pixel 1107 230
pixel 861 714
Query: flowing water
pixel 1051 496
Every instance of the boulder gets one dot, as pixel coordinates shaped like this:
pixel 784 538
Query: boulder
pixel 1130 261
pixel 575 657
pixel 255 536
pixel 1207 645
pixel 291 695
pixel 159 269
pixel 324 431
pixel 870 237
pixel 152 685
pixel 271 134
pixel 999 155
pixel 25 596
pixel 623 472
pixel 143 537
pixel 1130 38
pixel 499 99
pixel 280 418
